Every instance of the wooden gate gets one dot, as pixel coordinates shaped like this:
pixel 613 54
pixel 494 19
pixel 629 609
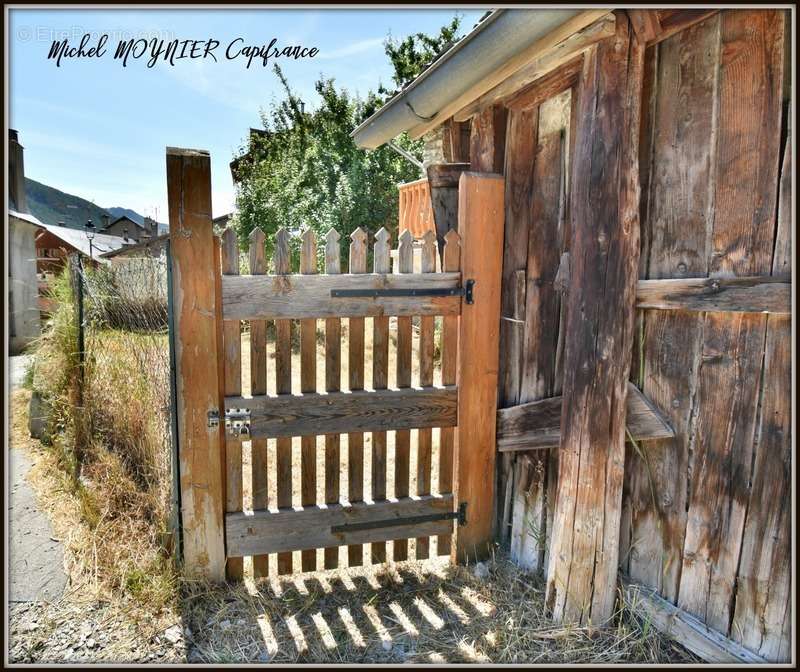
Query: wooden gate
pixel 288 402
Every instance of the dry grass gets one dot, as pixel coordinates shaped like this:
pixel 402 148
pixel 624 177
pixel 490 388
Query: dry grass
pixel 410 612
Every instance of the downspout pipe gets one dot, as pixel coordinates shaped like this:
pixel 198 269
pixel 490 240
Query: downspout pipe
pixel 502 34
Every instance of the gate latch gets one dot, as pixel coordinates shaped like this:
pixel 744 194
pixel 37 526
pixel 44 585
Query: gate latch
pixel 237 421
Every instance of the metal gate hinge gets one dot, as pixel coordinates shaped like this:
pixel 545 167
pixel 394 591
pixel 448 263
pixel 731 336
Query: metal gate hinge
pixel 213 418
pixel 237 421
pixel 468 287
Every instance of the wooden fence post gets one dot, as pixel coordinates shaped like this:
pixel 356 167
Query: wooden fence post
pixel 196 341
pixel 582 572
pixel 480 224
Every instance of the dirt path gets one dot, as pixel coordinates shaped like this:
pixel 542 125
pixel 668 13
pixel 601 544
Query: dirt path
pixel 36 557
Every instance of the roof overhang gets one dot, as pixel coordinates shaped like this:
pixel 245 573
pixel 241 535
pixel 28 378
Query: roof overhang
pixel 501 45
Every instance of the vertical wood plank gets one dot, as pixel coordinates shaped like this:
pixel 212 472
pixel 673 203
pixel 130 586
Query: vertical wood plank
pixel 333 378
pixel 746 172
pixel 402 442
pixel 308 383
pixel 451 261
pixel 283 385
pixel 677 210
pixel 258 385
pixel 480 223
pixel 487 139
pixel 604 259
pixel 522 134
pixel 425 436
pixel 381 261
pixel 355 373
pixel 763 613
pixel 232 348
pixel 200 449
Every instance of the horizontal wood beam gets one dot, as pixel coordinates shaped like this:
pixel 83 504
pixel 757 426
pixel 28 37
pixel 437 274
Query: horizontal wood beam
pixel 758 294
pixel 540 67
pixel 537 50
pixel 537 425
pixel 689 631
pixel 551 85
pixel 316 413
pixel 301 528
pixel 297 297
pixel 655 25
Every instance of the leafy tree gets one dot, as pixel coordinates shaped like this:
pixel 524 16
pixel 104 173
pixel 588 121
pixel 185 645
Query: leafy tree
pixel 304 169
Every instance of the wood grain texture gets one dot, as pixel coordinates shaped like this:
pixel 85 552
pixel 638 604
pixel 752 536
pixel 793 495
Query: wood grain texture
pixel 559 80
pixel 677 624
pixel 200 449
pixel 343 412
pixel 283 385
pixel 380 381
pixel 258 385
pixel 604 259
pixel 746 175
pixel 449 347
pixel 355 377
pixel 310 527
pixel 677 209
pixel 402 437
pixel 488 139
pixel 762 619
pixel 480 214
pixel 528 512
pixel 333 377
pixel 537 424
pixel 308 383
pixel 521 141
pixel 232 349
pixel 758 294
pixel 425 435
pixel 300 297
pixel 539 68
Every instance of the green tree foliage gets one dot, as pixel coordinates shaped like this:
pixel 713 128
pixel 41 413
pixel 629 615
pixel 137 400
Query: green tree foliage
pixel 304 169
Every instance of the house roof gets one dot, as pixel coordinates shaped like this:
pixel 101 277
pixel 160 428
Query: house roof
pixel 137 247
pixel 25 216
pixel 102 243
pixel 498 47
pixel 125 218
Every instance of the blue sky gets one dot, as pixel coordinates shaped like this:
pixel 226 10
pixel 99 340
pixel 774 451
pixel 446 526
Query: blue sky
pixel 98 130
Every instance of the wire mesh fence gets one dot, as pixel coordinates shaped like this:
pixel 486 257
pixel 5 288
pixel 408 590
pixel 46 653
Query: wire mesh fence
pixel 126 368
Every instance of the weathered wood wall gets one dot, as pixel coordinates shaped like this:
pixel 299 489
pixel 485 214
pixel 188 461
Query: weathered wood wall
pixel 706 514
pixel 706 517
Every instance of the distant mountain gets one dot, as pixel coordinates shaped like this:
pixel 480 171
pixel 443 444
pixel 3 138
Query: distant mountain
pixel 126 212
pixel 52 206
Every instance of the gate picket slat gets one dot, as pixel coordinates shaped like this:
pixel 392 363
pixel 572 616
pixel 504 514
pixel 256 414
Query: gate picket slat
pixel 449 345
pixel 308 383
pixel 355 373
pixel 380 381
pixel 258 385
pixel 402 450
pixel 333 377
pixel 424 436
pixel 232 348
pixel 283 385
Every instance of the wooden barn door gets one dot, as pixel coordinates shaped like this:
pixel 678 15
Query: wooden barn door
pixel 237 425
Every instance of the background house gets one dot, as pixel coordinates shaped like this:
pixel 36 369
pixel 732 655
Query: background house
pixel 23 309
